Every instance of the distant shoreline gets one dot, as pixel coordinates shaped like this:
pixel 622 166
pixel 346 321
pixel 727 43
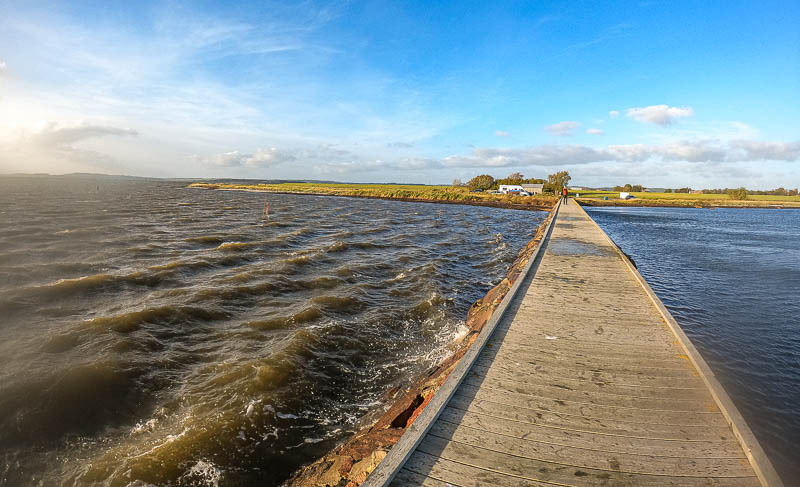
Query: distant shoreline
pixel 707 204
pixel 462 196
pixel 481 199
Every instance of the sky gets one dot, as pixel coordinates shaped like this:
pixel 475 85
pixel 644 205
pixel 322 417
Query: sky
pixel 664 94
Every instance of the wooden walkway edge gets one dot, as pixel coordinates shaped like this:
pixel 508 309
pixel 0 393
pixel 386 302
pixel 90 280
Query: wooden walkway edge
pixel 385 472
pixel 580 377
pixel 752 448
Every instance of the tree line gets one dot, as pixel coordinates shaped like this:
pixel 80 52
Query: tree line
pixel 484 182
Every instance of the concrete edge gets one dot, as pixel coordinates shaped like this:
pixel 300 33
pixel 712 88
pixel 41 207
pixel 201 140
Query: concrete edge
pixel 755 454
pixel 385 472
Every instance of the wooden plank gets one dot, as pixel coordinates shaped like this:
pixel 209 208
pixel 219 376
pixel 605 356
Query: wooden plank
pixel 570 346
pixel 558 472
pixel 629 366
pixel 503 445
pixel 551 376
pixel 706 431
pixel 590 441
pixel 530 368
pixel 638 336
pixel 594 398
pixel 594 411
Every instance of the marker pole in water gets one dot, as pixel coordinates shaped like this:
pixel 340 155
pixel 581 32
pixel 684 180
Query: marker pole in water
pixel 266 209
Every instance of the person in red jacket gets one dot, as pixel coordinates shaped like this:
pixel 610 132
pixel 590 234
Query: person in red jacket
pixel 564 194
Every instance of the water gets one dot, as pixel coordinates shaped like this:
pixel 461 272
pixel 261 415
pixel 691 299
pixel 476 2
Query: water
pixel 169 335
pixel 731 278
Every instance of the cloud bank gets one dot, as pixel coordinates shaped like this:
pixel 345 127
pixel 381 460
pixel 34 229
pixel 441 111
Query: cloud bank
pixel 688 151
pixel 686 154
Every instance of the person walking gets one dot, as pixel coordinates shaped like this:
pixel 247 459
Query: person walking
pixel 564 194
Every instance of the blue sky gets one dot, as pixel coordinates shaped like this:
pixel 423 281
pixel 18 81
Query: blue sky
pixel 705 94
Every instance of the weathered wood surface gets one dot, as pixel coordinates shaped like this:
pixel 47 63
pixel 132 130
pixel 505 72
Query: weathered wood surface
pixel 583 382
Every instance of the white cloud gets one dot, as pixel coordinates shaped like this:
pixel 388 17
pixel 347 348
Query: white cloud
pixel 562 129
pixel 59 147
pixel 659 114
pixel 58 136
pixel 613 114
pixel 595 131
pixel 501 133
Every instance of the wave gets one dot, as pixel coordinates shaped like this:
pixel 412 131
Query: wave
pixel 205 240
pixel 132 321
pixel 307 315
pixel 322 282
pixel 233 246
pixel 339 303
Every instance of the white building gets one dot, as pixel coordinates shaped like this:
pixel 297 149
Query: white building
pixel 533 188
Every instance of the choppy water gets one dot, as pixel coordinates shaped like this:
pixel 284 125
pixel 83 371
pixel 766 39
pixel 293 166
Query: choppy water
pixel 731 278
pixel 152 332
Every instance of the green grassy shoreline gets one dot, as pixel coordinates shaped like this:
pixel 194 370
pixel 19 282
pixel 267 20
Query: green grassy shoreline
pixel 463 196
pixel 685 200
pixel 413 193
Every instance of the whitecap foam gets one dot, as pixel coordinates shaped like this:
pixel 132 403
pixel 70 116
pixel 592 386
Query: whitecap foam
pixel 460 333
pixel 203 472
pixel 250 409
pixel 142 427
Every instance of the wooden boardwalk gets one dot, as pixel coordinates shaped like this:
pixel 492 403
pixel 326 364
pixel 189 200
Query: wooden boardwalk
pixel 583 379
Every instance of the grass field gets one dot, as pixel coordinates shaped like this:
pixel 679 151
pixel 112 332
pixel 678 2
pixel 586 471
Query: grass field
pixel 393 191
pixel 684 199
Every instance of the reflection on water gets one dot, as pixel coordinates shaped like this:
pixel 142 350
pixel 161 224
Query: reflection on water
pixel 731 277
pixel 157 333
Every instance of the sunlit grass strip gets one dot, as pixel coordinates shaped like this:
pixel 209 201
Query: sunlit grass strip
pixel 391 191
pixel 687 199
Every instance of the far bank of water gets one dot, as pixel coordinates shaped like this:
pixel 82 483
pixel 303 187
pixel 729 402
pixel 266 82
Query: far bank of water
pixel 731 278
